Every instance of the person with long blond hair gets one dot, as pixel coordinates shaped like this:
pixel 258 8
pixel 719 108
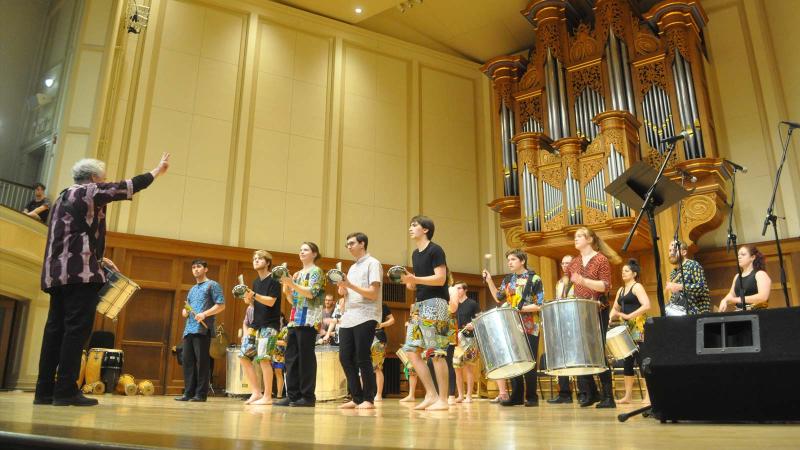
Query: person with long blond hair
pixel 590 276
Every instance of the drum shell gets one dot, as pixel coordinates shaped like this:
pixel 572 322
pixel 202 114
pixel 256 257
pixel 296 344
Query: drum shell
pixel 331 381
pixel 146 387
pixel 111 368
pixel 505 350
pixel 115 294
pixel 235 380
pixel 126 385
pixel 619 343
pixel 94 362
pixel 573 340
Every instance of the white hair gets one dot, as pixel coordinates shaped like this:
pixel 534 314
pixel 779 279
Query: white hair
pixel 85 168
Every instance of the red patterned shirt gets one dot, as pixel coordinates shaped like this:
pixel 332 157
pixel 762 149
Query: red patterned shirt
pixel 598 268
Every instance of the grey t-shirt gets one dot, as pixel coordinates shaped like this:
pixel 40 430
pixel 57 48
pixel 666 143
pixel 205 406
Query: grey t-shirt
pixel 357 309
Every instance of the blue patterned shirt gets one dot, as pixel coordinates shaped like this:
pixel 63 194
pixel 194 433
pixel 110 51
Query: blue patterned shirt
pixel 201 297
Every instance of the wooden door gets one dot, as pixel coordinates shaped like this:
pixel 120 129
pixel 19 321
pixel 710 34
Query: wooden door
pixel 145 336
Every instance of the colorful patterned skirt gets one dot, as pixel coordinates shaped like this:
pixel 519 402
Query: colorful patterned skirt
pixel 378 353
pixel 430 328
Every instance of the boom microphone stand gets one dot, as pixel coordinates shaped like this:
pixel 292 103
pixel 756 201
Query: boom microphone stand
pixel 772 218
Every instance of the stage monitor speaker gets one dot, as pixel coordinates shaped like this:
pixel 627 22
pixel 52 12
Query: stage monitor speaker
pixel 728 367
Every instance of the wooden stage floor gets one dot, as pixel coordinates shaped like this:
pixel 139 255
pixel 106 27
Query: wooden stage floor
pixel 223 423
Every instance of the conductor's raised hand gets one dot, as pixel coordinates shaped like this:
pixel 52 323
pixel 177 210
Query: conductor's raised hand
pixel 162 166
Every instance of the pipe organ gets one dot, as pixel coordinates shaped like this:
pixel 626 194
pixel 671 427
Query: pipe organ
pixel 598 93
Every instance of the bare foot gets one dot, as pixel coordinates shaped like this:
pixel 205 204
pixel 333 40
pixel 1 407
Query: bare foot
pixel 365 405
pixel 440 405
pixel 408 398
pixel 253 397
pixel 349 405
pixel 459 399
pixel 263 401
pixel 428 401
pixel 378 399
pixel 624 400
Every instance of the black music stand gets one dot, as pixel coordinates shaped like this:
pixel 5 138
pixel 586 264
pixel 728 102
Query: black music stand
pixel 641 185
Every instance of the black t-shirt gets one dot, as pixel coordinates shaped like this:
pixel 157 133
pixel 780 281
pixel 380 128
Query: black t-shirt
pixel 381 334
pixel 33 204
pixel 263 315
pixel 424 262
pixel 467 310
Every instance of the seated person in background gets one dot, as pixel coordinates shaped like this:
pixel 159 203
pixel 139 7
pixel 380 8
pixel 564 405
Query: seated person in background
pixel 755 281
pixel 329 329
pixel 39 207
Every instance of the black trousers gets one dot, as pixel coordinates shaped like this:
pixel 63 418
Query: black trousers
pixel 564 389
pixel 196 365
pixel 69 323
pixel 355 344
pixel 301 364
pixel 451 371
pixel 628 364
pixel 529 379
pixel 586 384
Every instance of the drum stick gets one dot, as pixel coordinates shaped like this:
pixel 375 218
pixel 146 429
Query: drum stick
pixel 487 258
pixel 188 307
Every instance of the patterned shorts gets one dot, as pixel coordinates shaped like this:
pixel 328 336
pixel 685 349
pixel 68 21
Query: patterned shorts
pixel 378 353
pixel 259 345
pixel 430 328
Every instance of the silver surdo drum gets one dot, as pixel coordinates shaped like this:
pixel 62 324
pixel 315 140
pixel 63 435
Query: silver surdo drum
pixel 502 342
pixel 573 342
pixel 619 343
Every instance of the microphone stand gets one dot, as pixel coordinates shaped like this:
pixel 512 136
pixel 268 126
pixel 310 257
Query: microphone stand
pixel 676 243
pixel 647 208
pixel 773 219
pixel 731 243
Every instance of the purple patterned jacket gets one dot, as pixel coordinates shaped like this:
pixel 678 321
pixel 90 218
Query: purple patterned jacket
pixel 69 258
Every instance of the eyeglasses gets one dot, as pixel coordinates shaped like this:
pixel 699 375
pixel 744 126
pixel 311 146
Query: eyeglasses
pixel 349 244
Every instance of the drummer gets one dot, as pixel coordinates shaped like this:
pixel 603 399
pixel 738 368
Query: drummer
pixel 631 306
pixel 521 289
pixel 464 362
pixel 590 273
pixel 265 299
pixel 362 287
pixel 564 289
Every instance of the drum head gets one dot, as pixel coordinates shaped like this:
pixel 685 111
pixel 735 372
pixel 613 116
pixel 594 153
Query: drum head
pixel 394 273
pixel 279 272
pixel 511 370
pixel 335 275
pixel 616 331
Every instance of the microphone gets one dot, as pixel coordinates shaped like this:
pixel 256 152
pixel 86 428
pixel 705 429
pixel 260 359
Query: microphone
pixel 689 177
pixel 685 134
pixel 791 124
pixel 742 169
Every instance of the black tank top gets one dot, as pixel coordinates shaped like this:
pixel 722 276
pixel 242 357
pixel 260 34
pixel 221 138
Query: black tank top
pixel 749 284
pixel 628 303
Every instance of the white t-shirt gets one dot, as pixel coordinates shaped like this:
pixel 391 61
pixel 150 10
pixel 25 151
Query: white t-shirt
pixel 357 309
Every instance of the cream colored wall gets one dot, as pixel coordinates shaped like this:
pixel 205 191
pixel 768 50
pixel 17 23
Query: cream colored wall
pixel 752 76
pixel 79 125
pixel 293 127
pixel 22 241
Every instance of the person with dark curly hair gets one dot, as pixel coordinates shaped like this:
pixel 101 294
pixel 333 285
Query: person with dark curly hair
pixel 755 282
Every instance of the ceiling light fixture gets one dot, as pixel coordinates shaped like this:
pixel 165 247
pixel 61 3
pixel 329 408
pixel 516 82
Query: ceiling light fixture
pixel 408 4
pixel 49 81
pixel 359 10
